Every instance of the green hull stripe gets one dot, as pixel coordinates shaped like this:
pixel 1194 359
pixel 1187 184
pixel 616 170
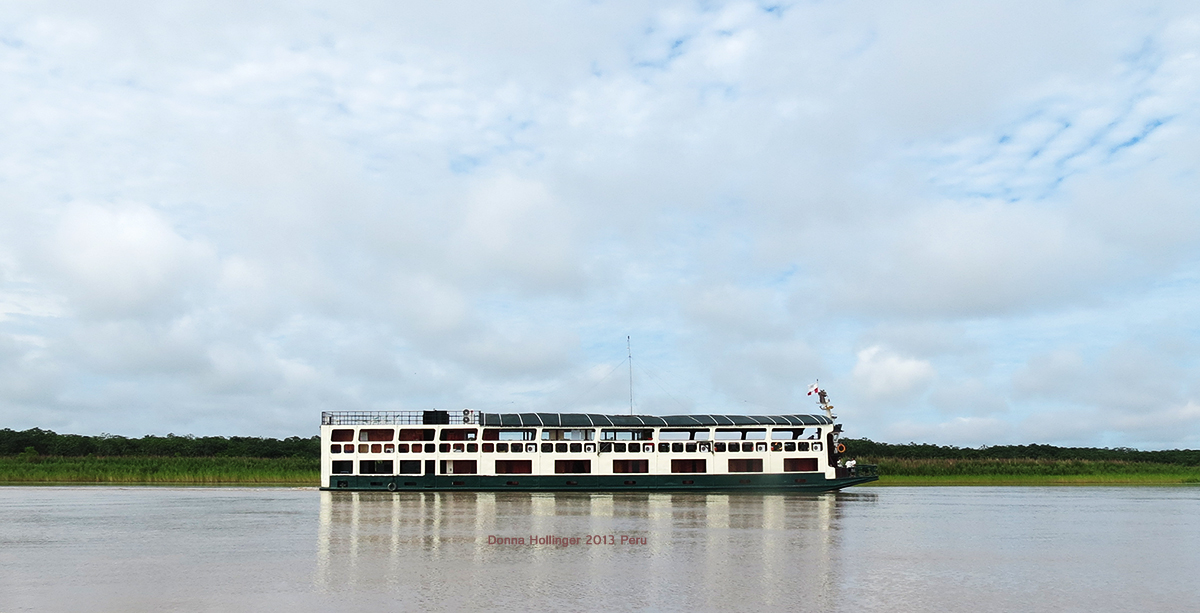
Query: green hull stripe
pixel 810 482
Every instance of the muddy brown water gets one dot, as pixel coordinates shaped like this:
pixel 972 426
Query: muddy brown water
pixel 870 549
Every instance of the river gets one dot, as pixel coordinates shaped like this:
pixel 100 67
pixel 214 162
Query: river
pixel 868 549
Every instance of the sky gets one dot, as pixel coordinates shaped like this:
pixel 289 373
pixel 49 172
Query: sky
pixel 974 223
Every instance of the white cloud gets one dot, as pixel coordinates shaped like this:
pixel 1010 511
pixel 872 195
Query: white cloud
pixel 882 374
pixel 226 217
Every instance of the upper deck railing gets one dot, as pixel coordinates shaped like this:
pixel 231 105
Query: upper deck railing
pixel 398 418
pixel 564 420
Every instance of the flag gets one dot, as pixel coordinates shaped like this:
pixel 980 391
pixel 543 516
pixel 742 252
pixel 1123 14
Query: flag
pixel 813 389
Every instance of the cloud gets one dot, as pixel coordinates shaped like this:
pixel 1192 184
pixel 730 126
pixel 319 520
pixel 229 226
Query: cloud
pixel 115 263
pixel 974 223
pixel 883 375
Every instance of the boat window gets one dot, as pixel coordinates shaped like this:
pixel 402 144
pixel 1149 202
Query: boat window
pixel 753 465
pixel 719 446
pixel 730 435
pixel 343 467
pixel 410 467
pixel 756 435
pixel 802 465
pixel 459 467
pixel 364 448
pixel 675 435
pixel 401 447
pixel 560 447
pixel 578 434
pixel 789 446
pixel 335 449
pixel 341 436
pixel 472 448
pixel 375 467
pixel 676 447
pixel 459 434
pixel 627 435
pixel 514 447
pixel 429 447
pixel 607 447
pixel 576 447
pixel 547 447
pixel 664 447
pixel 786 434
pixel 748 447
pixel 376 448
pixel 514 467
pixel 459 447
pixel 508 434
pixel 816 436
pixel 501 447
pixel 416 434
pixel 572 466
pixel 376 434
pixel 688 466
pixel 489 447
pixel 389 449
pixel 705 447
pixel 690 447
pixel 348 448
pixel 620 447
pixel 444 447
pixel 631 466
pixel 802 446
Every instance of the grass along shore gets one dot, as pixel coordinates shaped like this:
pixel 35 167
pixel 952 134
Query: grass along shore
pixel 943 471
pixel 306 471
pixel 160 470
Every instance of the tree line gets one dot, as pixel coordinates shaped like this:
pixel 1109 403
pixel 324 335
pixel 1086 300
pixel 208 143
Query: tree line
pixel 46 442
pixel 922 451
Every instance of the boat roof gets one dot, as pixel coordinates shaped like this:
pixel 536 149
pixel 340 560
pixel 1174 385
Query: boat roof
pixel 595 420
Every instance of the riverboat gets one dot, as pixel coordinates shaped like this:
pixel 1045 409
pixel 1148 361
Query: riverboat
pixel 468 450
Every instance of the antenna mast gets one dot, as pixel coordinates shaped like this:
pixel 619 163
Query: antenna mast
pixel 629 350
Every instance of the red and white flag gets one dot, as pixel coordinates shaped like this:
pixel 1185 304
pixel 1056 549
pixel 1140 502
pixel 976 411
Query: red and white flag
pixel 813 389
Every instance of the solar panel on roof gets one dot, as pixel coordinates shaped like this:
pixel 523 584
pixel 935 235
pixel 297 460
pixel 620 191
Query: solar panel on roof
pixel 593 420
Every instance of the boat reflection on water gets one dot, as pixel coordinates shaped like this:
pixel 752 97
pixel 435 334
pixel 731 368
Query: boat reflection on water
pixel 663 550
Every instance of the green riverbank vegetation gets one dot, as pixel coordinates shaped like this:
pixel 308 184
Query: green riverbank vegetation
pixel 923 464
pixel 42 456
pixel 160 470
